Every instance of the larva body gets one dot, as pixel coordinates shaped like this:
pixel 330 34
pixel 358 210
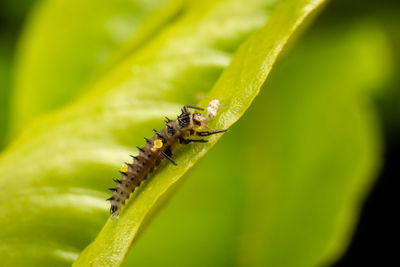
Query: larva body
pixel 157 148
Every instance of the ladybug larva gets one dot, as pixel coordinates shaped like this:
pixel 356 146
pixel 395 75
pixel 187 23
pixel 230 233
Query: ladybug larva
pixel 162 144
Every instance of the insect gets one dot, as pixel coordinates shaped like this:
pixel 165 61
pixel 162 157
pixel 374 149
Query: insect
pixel 156 149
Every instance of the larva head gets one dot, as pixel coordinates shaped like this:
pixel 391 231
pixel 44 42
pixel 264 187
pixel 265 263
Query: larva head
pixel 199 121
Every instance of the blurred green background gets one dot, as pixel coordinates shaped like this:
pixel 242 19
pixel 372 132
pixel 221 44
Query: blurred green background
pixel 284 187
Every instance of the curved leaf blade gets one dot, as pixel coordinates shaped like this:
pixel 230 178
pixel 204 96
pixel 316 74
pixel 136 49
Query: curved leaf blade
pixel 297 161
pixel 320 149
pixel 70 156
pixel 236 88
pixel 62 163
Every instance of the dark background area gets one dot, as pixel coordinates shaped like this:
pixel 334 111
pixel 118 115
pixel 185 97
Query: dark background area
pixel 374 237
pixel 377 227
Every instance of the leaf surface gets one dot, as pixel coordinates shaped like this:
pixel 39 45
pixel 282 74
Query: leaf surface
pixel 236 88
pixel 55 174
pixel 68 44
pixel 290 176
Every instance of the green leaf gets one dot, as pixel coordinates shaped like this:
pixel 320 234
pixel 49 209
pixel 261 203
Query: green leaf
pixel 319 148
pixel 288 178
pixel 236 88
pixel 68 44
pixel 55 174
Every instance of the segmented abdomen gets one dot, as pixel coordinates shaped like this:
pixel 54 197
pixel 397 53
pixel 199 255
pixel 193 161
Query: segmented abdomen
pixel 143 164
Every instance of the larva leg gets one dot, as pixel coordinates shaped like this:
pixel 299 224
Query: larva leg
pixel 211 132
pixel 169 158
pixel 188 141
